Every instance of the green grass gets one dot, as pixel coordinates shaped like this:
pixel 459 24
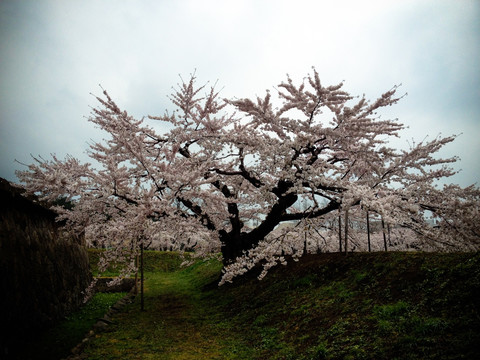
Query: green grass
pixel 154 261
pixel 328 306
pixel 363 306
pixel 179 322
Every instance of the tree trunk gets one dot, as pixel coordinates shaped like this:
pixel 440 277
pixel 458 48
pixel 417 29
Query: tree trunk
pixel 235 243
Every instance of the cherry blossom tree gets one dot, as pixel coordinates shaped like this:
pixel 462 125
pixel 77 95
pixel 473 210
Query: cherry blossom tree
pixel 226 174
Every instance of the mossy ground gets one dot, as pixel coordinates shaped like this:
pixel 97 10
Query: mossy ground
pixel 328 306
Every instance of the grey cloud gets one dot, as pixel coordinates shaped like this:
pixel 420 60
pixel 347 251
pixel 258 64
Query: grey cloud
pixel 55 53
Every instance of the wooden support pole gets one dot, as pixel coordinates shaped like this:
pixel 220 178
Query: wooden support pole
pixel 142 303
pixel 368 233
pixel 346 231
pixel 340 240
pixel 384 235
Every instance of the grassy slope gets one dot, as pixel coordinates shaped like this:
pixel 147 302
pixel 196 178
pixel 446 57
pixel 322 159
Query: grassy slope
pixel 363 306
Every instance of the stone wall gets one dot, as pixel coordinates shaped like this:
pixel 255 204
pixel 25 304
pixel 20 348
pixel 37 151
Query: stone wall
pixel 43 274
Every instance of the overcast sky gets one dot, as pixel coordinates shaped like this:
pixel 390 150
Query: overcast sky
pixel 53 54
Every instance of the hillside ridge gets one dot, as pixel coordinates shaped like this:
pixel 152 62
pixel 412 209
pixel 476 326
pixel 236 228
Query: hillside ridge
pixel 404 305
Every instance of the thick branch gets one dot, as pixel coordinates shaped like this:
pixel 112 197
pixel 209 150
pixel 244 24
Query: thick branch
pixel 332 205
pixel 232 207
pixel 197 210
pixel 243 173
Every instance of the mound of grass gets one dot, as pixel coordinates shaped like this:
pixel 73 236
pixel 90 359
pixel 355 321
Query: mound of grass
pixel 328 306
pixel 363 306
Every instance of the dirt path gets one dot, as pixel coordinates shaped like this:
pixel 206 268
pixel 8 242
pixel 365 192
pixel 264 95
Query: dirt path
pixel 179 323
pixel 187 325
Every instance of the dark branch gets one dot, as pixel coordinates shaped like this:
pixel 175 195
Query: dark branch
pixel 198 212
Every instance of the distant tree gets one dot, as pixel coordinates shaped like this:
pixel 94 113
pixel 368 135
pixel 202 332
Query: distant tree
pixel 217 180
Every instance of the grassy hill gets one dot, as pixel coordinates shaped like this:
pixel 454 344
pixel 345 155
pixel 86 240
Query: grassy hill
pixel 328 306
